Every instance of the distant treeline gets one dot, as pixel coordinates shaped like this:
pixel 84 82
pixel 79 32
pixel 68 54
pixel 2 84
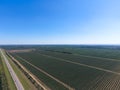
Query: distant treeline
pixel 59 51
pixel 9 47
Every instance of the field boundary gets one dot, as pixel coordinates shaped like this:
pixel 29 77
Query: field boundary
pixel 39 85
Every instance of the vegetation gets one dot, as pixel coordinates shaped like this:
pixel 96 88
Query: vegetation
pixel 73 75
pixel 97 62
pixel 44 78
pixel 0 74
pixel 60 62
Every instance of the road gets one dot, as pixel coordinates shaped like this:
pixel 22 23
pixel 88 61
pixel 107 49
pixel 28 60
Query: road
pixel 13 75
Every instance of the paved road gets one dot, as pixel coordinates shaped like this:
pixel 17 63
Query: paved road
pixel 13 75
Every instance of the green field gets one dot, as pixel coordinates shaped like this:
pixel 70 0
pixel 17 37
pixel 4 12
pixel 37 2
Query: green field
pixel 60 62
pixel 97 62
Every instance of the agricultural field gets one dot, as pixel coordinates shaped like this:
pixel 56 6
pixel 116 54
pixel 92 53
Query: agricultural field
pixel 72 67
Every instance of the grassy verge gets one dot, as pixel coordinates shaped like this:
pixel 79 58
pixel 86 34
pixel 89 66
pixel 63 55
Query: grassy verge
pixel 3 80
pixel 23 79
pixel 9 80
pixel 0 74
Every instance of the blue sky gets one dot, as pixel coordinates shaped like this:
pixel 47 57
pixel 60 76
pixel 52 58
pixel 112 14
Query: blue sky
pixel 59 21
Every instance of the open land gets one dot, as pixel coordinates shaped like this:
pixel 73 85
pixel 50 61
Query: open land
pixel 72 67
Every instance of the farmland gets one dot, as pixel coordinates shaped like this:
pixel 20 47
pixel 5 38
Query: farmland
pixel 73 67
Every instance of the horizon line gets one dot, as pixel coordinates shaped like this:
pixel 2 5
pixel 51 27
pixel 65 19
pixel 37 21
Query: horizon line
pixel 64 44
